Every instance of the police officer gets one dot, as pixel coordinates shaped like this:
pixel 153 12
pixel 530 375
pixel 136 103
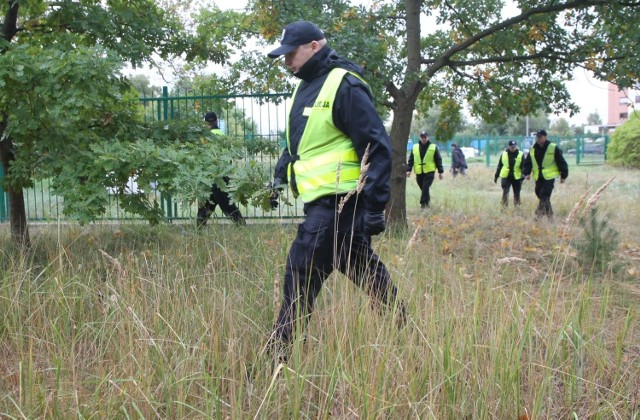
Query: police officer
pixel 425 159
pixel 332 121
pixel 509 170
pixel 545 162
pixel 218 197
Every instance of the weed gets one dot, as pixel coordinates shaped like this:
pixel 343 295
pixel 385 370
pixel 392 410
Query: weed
pixel 599 242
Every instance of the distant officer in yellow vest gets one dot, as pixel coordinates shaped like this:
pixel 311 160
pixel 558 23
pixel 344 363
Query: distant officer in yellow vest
pixel 218 197
pixel 332 124
pixel 545 162
pixel 425 159
pixel 509 170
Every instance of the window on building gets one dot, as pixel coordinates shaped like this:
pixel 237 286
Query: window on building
pixel 624 115
pixel 637 98
pixel 623 100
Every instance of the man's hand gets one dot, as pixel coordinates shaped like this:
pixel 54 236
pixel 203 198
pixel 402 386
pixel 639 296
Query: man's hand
pixel 495 179
pixel 408 174
pixel 374 223
pixel 527 177
pixel 273 199
pixel 276 186
pixel 562 180
pixel 441 176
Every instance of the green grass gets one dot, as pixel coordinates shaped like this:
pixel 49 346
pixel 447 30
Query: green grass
pixel 132 321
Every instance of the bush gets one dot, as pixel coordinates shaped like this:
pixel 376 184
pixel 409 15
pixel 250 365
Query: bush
pixel 625 143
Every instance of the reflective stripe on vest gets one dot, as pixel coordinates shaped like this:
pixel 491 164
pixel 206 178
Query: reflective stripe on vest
pixel 326 162
pixel 549 167
pixel 517 171
pixel 428 164
pixel 217 132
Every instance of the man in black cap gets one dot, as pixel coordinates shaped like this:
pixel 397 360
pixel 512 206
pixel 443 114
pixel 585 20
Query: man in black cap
pixel 332 128
pixel 425 159
pixel 546 163
pixel 218 197
pixel 509 170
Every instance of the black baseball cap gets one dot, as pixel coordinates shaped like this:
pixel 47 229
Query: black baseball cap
pixel 210 117
pixel 295 34
pixel 512 143
pixel 541 133
pixel 424 134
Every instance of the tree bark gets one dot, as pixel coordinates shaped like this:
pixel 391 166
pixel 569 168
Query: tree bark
pixel 404 103
pixel 17 210
pixel 400 130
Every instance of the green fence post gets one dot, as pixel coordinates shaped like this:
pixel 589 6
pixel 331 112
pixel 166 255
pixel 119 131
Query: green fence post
pixel 487 151
pixel 579 142
pixel 164 109
pixel 3 201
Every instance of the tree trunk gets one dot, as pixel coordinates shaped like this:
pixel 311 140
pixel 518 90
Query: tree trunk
pixel 404 103
pixel 400 130
pixel 17 210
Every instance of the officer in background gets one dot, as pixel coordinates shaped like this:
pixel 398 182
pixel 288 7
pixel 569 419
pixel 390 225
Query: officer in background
pixel 218 197
pixel 509 170
pixel 458 161
pixel 332 124
pixel 545 162
pixel 425 159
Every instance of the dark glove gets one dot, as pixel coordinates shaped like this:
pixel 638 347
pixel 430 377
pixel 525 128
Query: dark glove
pixel 495 179
pixel 374 222
pixel 273 199
pixel 275 187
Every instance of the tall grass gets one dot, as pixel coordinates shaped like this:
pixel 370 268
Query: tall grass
pixel 168 322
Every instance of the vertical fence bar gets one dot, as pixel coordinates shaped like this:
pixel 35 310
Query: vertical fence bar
pixel 163 115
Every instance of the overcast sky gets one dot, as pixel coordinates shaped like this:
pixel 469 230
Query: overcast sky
pixel 588 93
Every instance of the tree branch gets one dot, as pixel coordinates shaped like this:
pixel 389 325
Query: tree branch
pixel 10 26
pixel 444 59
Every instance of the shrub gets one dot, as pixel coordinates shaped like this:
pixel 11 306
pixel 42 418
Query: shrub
pixel 625 143
pixel 596 249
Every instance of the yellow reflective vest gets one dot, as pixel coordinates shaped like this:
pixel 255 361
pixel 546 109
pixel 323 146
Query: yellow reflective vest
pixel 517 169
pixel 426 165
pixel 326 163
pixel 549 168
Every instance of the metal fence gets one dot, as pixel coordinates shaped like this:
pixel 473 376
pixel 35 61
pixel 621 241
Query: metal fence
pixel 586 149
pixel 247 117
pixel 251 117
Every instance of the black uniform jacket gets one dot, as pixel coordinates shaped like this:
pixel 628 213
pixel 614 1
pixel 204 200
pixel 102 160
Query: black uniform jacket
pixel 353 113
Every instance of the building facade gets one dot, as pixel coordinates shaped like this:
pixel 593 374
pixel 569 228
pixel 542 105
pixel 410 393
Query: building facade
pixel 622 103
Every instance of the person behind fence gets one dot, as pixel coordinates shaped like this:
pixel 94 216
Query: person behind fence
pixel 458 160
pixel 218 197
pixel 332 128
pixel 509 171
pixel 425 159
pixel 545 162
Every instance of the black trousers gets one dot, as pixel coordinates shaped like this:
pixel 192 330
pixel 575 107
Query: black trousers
pixel 220 198
pixel 544 188
pixel 327 241
pixel 507 184
pixel 424 182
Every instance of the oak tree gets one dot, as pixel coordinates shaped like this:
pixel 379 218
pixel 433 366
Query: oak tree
pixel 496 58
